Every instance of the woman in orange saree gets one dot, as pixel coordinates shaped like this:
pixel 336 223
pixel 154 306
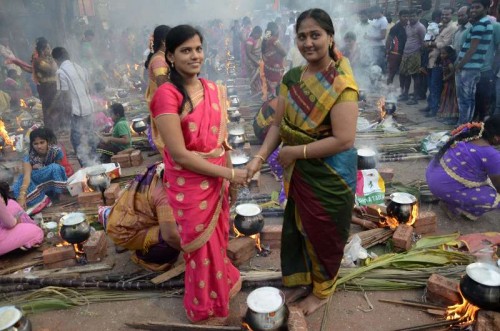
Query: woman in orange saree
pixel 190 114
pixel 157 68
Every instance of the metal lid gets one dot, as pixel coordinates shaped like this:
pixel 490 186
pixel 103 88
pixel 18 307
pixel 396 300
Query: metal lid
pixel 9 315
pixel 484 273
pixel 367 152
pixel 265 300
pixel 248 209
pixel 73 219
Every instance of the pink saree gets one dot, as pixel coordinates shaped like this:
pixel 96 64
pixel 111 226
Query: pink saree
pixel 200 203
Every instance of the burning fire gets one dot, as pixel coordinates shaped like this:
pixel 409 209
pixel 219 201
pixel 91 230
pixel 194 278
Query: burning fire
pixel 464 312
pixel 246 326
pixel 255 237
pixel 393 222
pixel 5 135
pixel 381 108
pixel 23 103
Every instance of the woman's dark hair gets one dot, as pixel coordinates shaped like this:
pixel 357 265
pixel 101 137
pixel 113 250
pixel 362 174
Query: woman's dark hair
pixel 324 21
pixel 117 109
pixel 436 15
pixel 42 133
pixel 176 37
pixel 159 36
pixel 40 44
pixel 257 30
pixel 4 191
pixel 246 20
pixel 491 129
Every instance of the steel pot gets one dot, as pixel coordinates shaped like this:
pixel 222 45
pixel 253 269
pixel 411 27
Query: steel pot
pixel 234 101
pixel 75 229
pixel 266 309
pixel 231 91
pixel 481 285
pixel 366 159
pixel 236 141
pixel 401 206
pixel 122 94
pixel 26 123
pixel 239 160
pixel 390 107
pixel 98 180
pixel 139 125
pixel 235 116
pixel 249 219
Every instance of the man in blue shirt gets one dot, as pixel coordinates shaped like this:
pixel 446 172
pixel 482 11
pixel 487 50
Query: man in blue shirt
pixel 471 58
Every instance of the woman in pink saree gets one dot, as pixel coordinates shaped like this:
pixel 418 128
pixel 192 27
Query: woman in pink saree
pixel 190 114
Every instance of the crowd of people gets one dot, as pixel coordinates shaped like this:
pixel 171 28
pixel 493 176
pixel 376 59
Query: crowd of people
pixel 181 206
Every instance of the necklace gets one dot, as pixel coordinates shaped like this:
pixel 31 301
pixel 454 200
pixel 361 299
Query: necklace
pixel 307 68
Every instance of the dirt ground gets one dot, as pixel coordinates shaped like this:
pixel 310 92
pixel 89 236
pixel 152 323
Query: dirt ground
pixel 347 310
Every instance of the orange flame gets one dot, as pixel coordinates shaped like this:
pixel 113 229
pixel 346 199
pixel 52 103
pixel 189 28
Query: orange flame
pixel 465 312
pixel 136 66
pixel 5 135
pixel 255 237
pixel 381 108
pixel 393 222
pixel 246 326
pixel 23 103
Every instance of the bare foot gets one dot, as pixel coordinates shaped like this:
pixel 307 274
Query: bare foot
pixel 297 293
pixel 310 304
pixel 236 289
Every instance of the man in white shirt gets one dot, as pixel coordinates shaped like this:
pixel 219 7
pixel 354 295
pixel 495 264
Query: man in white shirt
pixel 73 83
pixel 376 36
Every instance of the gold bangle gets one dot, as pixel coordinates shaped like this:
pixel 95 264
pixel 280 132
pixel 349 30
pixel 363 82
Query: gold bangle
pixel 259 157
pixel 232 174
pixel 305 152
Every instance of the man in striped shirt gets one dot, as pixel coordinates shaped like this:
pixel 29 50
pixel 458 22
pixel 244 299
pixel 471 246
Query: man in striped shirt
pixel 471 58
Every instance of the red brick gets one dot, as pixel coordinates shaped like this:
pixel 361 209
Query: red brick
pixel 136 163
pixel 296 319
pixel 425 229
pixel 271 232
pixel 387 174
pixel 241 249
pixel 487 321
pixel 426 218
pixel 136 155
pixel 443 290
pixel 96 247
pixel 57 254
pixel 402 237
pixel 89 197
pixel 125 164
pixel 113 191
pixel 110 202
pixel 61 264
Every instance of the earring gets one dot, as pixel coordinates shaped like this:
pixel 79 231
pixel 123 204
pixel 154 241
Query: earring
pixel 331 44
pixel 173 65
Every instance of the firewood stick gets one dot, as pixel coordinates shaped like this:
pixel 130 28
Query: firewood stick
pixel 411 304
pixel 21 266
pixel 429 326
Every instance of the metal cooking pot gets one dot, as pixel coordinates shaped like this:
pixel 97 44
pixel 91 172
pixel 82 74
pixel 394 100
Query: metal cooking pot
pixel 401 206
pixel 235 116
pixel 139 125
pixel 366 159
pixel 75 229
pixel 98 180
pixel 231 91
pixel 122 94
pixel 26 123
pixel 249 219
pixel 236 141
pixel 239 160
pixel 266 309
pixel 234 101
pixel 390 107
pixel 481 285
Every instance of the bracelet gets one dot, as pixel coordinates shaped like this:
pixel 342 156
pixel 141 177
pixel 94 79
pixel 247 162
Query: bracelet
pixel 259 157
pixel 305 151
pixel 232 174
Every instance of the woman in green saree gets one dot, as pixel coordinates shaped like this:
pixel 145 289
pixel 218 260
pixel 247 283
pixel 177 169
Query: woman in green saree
pixel 316 122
